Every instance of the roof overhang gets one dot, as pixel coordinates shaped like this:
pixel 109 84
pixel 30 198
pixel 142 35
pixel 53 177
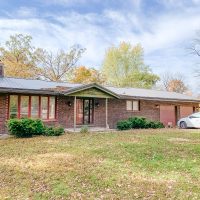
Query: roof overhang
pixel 160 99
pixel 76 91
pixel 28 91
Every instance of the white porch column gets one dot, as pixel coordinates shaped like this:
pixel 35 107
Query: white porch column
pixel 74 113
pixel 107 126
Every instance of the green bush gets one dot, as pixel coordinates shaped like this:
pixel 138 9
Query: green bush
pixel 124 125
pixel 138 123
pixel 29 127
pixel 38 127
pixel 84 129
pixel 25 127
pixel 154 124
pixel 53 131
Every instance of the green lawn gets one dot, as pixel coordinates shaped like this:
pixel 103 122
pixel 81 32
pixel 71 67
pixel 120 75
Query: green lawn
pixel 140 164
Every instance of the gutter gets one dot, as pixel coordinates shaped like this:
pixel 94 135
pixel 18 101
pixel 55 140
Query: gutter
pixel 73 90
pixel 27 91
pixel 160 99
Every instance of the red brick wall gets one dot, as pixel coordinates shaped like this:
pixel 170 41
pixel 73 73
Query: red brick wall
pixel 65 113
pixel 116 111
pixel 3 113
pixel 100 113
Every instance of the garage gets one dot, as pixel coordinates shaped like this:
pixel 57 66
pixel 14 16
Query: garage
pixel 185 111
pixel 167 115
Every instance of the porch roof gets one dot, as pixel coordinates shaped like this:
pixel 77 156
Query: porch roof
pixel 91 90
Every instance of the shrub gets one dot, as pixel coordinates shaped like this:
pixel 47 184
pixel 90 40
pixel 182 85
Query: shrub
pixel 155 124
pixel 25 127
pixel 84 129
pixel 38 127
pixel 53 131
pixel 124 125
pixel 138 123
pixel 29 127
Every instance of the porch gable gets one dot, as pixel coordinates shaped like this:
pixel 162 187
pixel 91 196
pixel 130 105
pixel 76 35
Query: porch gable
pixel 91 91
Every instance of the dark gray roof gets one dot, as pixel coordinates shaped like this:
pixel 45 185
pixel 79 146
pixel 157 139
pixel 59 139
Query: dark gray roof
pixel 30 84
pixel 151 94
pixel 40 85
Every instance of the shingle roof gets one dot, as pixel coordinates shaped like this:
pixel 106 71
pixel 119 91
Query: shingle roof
pixel 28 84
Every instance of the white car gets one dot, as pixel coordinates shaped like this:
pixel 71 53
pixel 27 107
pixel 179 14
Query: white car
pixel 192 121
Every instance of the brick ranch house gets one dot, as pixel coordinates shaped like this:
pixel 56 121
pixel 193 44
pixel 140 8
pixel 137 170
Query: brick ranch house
pixel 74 105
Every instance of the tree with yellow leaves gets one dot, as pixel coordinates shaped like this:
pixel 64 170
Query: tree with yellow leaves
pixel 123 66
pixel 18 57
pixel 86 75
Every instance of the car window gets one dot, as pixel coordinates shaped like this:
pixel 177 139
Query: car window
pixel 195 115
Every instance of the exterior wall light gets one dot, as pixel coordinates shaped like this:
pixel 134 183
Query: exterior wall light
pixel 97 104
pixel 69 103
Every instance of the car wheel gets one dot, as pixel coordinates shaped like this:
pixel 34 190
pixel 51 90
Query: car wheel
pixel 183 125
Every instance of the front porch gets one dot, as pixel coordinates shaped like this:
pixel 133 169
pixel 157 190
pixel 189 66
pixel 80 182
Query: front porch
pixel 90 108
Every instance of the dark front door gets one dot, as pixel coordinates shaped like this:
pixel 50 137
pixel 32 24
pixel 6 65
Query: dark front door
pixel 85 111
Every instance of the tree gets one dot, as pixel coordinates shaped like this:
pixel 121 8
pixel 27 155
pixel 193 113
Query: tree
pixel 173 82
pixel 18 57
pixel 123 66
pixel 195 49
pixel 86 75
pixel 57 66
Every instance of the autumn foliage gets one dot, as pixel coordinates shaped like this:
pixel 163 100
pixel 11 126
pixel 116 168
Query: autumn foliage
pixel 87 75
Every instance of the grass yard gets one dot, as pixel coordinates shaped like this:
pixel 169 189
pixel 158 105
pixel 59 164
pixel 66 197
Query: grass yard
pixel 140 164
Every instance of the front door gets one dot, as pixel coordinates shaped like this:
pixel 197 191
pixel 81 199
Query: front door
pixel 85 111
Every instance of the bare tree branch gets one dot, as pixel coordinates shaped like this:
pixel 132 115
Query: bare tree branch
pixel 54 67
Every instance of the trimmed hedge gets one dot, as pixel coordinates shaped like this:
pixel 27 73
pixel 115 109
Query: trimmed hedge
pixel 23 128
pixel 124 125
pixel 54 131
pixel 138 123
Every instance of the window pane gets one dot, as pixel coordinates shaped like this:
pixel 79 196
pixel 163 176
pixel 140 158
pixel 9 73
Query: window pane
pixel 44 107
pixel 91 111
pixel 13 106
pixel 24 106
pixel 196 115
pixel 136 105
pixel 79 111
pixel 34 107
pixel 128 105
pixel 52 108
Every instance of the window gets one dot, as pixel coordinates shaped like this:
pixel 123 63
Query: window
pixel 44 107
pixel 195 115
pixel 35 107
pixel 52 109
pixel 21 106
pixel 24 106
pixel 13 106
pixel 136 105
pixel 128 105
pixel 132 105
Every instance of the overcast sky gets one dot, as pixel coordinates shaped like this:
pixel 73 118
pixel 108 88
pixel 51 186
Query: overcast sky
pixel 165 28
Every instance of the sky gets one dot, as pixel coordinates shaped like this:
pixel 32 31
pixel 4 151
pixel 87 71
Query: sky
pixel 165 29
